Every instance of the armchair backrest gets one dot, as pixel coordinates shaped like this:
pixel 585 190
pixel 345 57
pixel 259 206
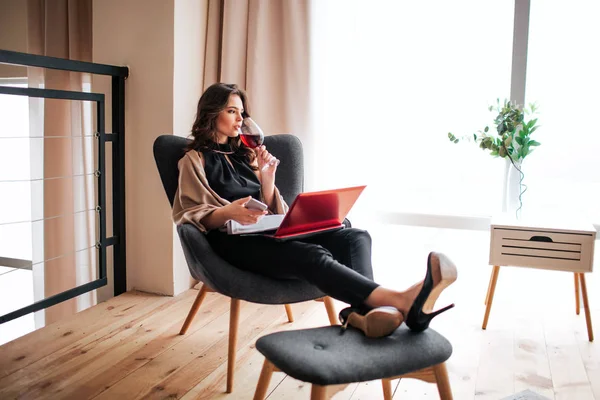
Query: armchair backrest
pixel 168 150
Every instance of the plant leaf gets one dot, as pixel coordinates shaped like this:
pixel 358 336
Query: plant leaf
pixel 533 143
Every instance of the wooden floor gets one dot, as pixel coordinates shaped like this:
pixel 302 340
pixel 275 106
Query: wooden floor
pixel 129 347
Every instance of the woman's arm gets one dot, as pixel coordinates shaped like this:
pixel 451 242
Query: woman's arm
pixel 195 202
pixel 235 211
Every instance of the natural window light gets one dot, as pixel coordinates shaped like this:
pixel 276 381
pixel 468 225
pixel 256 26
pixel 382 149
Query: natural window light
pixel 563 78
pixel 391 82
pixel 16 284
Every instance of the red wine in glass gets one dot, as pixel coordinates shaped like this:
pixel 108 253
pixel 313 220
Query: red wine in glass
pixel 252 136
pixel 252 141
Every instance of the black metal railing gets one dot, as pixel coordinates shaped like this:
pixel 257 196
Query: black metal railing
pixel 116 138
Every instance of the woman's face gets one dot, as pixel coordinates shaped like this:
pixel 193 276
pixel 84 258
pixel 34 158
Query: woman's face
pixel 229 121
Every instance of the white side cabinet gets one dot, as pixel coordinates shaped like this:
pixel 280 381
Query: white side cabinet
pixel 568 248
pixel 545 244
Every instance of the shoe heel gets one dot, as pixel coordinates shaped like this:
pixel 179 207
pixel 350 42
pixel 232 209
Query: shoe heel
pixel 441 310
pixel 379 322
pixel 447 275
pixel 425 319
pixel 441 272
pixel 382 321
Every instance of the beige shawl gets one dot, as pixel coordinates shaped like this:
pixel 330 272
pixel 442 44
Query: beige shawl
pixel 195 199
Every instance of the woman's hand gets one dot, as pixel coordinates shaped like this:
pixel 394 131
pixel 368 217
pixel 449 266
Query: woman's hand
pixel 267 163
pixel 237 211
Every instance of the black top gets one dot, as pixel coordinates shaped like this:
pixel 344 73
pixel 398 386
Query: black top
pixel 231 182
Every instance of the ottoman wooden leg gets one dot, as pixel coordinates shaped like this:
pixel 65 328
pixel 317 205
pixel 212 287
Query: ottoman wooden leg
pixel 387 388
pixel 577 297
pixel 443 383
pixel 330 307
pixel 264 380
pixel 318 392
pixel 493 280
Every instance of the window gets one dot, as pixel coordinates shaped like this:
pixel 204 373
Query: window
pixel 391 80
pixel 16 284
pixel 563 78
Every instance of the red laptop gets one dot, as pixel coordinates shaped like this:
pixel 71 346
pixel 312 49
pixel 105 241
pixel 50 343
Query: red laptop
pixel 314 212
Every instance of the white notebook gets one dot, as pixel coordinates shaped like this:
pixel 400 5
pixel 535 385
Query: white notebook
pixel 266 223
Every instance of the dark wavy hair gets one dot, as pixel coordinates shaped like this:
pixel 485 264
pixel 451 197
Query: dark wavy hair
pixel 204 130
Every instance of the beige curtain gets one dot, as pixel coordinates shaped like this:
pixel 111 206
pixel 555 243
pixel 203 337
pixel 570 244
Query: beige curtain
pixel 61 157
pixel 263 46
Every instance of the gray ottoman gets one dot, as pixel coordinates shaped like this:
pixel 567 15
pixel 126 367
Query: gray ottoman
pixel 325 357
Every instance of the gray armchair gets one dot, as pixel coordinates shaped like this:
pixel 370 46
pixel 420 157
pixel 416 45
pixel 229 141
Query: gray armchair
pixel 218 275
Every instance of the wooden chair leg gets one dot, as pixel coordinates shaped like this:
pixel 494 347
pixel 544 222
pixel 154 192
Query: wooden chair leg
pixel 586 307
pixel 234 318
pixel 288 311
pixel 443 383
pixel 318 392
pixel 387 389
pixel 264 380
pixel 494 279
pixel 330 307
pixel 194 309
pixel 577 297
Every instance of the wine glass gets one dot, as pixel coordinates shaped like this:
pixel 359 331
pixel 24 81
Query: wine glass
pixel 252 136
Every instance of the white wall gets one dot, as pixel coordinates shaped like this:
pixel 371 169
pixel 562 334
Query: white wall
pixel 161 41
pixel 139 34
pixel 189 46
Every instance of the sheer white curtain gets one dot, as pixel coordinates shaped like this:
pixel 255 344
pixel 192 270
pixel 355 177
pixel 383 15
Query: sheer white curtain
pixel 391 79
pixel 563 77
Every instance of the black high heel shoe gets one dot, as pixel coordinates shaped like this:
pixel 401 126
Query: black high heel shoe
pixel 375 323
pixel 441 273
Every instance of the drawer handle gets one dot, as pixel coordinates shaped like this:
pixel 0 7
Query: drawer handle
pixel 541 239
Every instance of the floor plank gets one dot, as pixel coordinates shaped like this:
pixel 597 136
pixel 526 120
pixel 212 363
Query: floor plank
pixel 532 365
pixel 163 338
pixel 590 355
pixel 89 325
pixel 63 369
pixel 569 376
pixel 151 377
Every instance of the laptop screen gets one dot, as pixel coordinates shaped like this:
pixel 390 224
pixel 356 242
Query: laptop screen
pixel 313 211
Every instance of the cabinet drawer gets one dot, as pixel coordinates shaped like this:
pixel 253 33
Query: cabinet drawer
pixel 542 249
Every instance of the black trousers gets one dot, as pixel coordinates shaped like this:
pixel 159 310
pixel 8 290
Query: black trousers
pixel 338 262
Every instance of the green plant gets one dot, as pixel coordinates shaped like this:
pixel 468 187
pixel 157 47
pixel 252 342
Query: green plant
pixel 512 138
pixel 513 132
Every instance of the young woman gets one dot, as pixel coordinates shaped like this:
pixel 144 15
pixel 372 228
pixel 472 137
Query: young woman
pixel 219 175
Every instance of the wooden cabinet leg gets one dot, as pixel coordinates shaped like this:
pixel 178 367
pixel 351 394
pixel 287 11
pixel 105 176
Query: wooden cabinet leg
pixel 577 297
pixel 487 295
pixel 586 307
pixel 493 280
